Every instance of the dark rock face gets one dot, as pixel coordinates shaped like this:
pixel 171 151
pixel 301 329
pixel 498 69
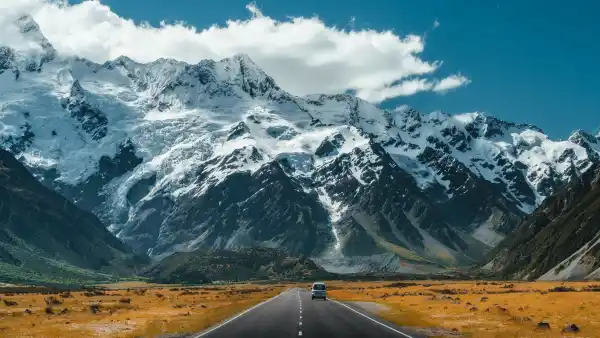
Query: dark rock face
pixel 93 121
pixel 565 223
pixel 457 138
pixel 37 221
pixel 473 199
pixel 18 144
pixel 270 209
pixel 490 127
pixel 250 83
pixel 87 194
pixel 140 189
pixel 7 59
pixel 386 208
pixel 330 145
pixel 586 140
pixel 238 131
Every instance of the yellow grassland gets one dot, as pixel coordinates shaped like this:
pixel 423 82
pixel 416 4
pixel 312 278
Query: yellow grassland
pixel 128 310
pixel 482 309
pixel 478 309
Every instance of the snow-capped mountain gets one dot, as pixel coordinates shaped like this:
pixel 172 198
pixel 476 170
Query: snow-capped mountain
pixel 174 156
pixel 560 240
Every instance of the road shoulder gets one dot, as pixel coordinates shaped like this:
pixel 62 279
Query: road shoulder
pixel 360 310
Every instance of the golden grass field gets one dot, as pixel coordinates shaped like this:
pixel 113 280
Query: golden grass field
pixel 449 308
pixel 127 310
pixel 482 309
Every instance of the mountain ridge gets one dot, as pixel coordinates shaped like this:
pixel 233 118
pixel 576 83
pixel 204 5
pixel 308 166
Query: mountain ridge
pixel 41 233
pixel 209 266
pixel 559 241
pixel 152 148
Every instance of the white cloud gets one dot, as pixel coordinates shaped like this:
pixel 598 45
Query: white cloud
pixel 413 86
pixel 405 88
pixel 402 108
pixel 302 54
pixel 436 24
pixel 451 82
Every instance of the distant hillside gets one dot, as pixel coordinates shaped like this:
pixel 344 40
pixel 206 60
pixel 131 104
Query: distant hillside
pixel 44 237
pixel 203 266
pixel 560 240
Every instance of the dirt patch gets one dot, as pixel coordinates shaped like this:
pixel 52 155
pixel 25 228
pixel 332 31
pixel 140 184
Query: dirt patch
pixel 371 307
pixel 437 332
pixel 109 329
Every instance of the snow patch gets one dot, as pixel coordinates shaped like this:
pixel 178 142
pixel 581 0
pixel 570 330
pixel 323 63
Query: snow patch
pixel 487 235
pixel 575 266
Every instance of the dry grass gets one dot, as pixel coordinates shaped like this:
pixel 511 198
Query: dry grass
pixel 473 309
pixel 483 309
pixel 140 310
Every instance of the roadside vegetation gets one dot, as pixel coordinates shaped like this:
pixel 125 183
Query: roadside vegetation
pixel 131 309
pixel 481 309
pixel 477 309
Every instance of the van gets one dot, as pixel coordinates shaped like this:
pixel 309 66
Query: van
pixel 319 290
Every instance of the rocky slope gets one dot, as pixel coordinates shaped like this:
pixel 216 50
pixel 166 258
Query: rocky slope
pixel 43 233
pixel 206 266
pixel 560 240
pixel 177 157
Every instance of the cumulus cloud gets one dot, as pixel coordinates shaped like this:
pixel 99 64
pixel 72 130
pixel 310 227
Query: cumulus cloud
pixel 303 54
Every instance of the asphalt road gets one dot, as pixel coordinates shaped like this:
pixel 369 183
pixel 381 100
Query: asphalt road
pixel 294 314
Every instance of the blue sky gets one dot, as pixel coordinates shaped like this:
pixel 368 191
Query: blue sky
pixel 532 61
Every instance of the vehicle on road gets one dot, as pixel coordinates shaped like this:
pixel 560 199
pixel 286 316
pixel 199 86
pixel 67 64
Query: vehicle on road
pixel 319 290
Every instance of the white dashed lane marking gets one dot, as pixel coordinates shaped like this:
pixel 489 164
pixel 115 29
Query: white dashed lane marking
pixel 300 322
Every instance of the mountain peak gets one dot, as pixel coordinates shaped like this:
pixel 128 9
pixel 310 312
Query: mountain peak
pixel 242 63
pixel 27 24
pixel 28 46
pixel 31 31
pixel 241 69
pixel 243 58
pixel 411 113
pixel 580 136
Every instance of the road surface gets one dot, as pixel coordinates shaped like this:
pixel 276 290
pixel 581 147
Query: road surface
pixel 294 314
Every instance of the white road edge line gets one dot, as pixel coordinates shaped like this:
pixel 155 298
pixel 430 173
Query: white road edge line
pixel 237 316
pixel 371 319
